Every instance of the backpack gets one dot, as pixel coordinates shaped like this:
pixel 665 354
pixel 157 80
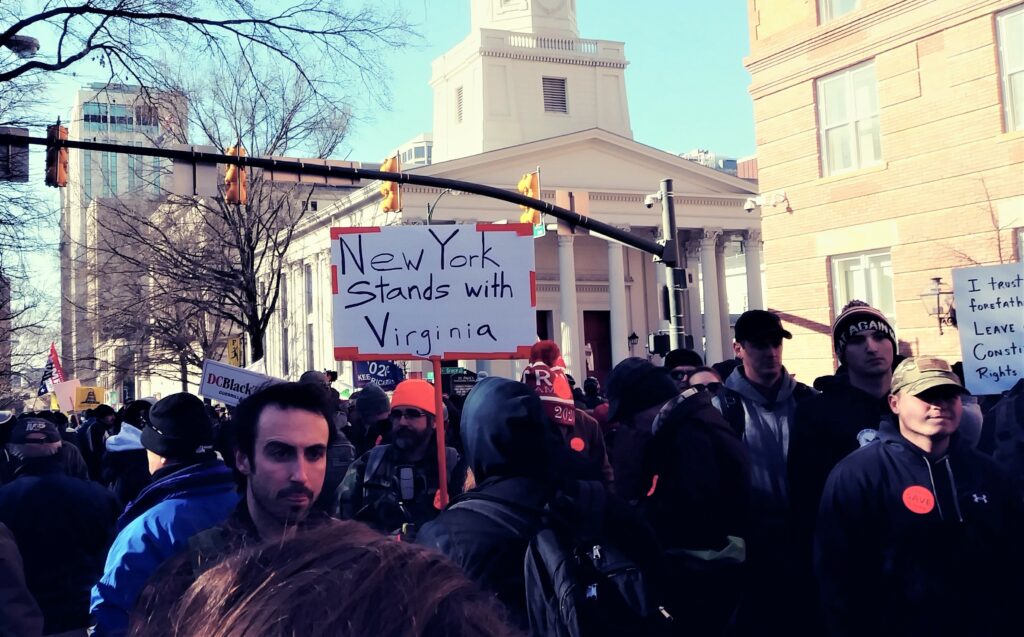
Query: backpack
pixel 578 584
pixel 378 474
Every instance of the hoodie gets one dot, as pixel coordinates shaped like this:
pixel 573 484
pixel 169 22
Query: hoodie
pixel 125 465
pixel 907 544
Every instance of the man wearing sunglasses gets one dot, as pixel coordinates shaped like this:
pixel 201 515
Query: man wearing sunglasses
pixel 759 400
pixel 394 487
pixel 681 364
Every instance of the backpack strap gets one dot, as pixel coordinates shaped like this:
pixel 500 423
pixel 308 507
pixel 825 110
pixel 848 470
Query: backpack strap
pixel 373 464
pixel 732 409
pixel 495 510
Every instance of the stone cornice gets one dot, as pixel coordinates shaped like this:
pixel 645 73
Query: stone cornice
pixel 862 23
pixel 554 59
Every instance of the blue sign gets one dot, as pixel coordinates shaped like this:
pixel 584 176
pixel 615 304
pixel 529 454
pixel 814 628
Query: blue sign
pixel 384 374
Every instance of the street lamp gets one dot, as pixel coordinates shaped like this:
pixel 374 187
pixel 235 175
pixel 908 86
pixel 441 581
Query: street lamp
pixel 633 340
pixel 432 207
pixel 938 302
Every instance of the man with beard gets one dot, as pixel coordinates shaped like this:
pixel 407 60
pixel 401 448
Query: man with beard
pixel 394 487
pixel 281 458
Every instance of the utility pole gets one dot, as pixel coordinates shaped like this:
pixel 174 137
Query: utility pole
pixel 670 257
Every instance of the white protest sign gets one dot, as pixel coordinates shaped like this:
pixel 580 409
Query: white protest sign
pixel 230 384
pixel 990 317
pixel 66 393
pixel 454 291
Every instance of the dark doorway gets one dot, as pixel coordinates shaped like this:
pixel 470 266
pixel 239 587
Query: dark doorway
pixel 544 327
pixel 597 352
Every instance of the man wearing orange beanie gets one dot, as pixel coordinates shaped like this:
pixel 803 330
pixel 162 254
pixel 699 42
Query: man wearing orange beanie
pixel 546 376
pixel 394 487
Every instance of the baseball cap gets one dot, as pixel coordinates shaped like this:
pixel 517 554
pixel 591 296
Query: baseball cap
pixel 755 325
pixel 916 375
pixel 32 430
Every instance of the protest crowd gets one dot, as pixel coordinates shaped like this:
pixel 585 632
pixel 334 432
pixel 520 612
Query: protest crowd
pixel 687 498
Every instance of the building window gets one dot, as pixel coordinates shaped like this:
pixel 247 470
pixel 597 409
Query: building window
pixel 157 171
pixel 458 104
pixel 309 346
pixel 95 116
pixel 133 175
pixel 119 118
pixel 1010 31
pixel 829 10
pixel 109 174
pixel 147 119
pixel 282 291
pixel 554 95
pixel 866 277
pixel 309 288
pixel 848 119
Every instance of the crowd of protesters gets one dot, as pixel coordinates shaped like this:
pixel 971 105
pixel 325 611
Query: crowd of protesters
pixel 680 499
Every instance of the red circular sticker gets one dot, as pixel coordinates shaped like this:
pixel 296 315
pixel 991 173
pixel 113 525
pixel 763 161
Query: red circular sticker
pixel 918 499
pixel 577 444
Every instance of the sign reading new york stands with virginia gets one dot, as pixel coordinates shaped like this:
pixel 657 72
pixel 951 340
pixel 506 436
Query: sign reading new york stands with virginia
pixel 990 318
pixel 454 291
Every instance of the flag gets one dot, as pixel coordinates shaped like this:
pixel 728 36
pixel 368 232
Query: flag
pixel 52 371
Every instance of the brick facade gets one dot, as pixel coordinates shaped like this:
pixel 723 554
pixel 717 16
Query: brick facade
pixel 948 192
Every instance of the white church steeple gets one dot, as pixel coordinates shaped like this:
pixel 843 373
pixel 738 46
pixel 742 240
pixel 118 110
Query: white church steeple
pixel 524 74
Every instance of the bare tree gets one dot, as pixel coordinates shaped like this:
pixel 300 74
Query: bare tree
pixel 213 267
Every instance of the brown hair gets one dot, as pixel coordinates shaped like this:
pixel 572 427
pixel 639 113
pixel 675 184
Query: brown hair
pixel 341 579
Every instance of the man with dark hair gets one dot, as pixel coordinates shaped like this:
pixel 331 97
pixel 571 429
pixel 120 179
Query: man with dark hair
pixel 63 525
pixel 680 363
pixel 282 435
pixel 340 452
pixel 394 487
pixel 759 400
pixel 918 533
pixel 93 439
pixel 191 491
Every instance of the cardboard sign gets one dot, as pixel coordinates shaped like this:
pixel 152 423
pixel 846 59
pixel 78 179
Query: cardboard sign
pixel 89 397
pixel 990 317
pixel 65 393
pixel 383 374
pixel 229 384
pixel 449 291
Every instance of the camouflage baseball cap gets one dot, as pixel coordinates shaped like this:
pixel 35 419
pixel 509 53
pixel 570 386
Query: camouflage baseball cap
pixel 915 375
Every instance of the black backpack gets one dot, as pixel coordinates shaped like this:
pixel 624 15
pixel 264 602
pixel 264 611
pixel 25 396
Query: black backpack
pixel 577 583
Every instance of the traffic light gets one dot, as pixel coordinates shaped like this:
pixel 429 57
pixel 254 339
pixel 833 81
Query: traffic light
pixel 56 157
pixel 235 191
pixel 529 186
pixel 392 194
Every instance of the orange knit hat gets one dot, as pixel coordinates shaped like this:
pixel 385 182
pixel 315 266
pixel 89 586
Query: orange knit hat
pixel 415 392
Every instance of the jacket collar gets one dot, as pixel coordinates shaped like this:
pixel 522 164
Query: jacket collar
pixel 738 382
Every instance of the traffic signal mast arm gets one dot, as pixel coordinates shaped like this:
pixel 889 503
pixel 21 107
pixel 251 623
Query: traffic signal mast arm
pixel 573 218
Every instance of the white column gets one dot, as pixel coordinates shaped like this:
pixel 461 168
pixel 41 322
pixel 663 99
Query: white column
pixel 569 333
pixel 617 303
pixel 712 307
pixel 752 245
pixel 694 312
pixel 723 295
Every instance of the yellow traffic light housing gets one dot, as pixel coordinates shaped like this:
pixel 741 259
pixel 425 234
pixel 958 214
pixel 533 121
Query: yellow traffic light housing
pixel 529 186
pixel 56 157
pixel 235 189
pixel 391 193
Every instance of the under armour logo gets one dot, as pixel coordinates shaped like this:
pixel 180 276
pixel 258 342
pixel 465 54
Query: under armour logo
pixel 980 498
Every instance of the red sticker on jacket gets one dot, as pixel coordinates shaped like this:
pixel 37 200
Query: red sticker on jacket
pixel 577 444
pixel 918 499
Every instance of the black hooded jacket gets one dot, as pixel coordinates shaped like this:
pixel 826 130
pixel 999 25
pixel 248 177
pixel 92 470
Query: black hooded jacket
pixel 905 545
pixel 827 428
pixel 506 441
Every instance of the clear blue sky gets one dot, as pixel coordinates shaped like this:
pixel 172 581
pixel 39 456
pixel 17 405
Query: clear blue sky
pixel 686 84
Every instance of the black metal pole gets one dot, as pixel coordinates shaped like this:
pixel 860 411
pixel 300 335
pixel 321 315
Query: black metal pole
pixel 671 259
pixel 597 227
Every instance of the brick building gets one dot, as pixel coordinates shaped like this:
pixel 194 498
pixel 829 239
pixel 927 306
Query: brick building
pixel 890 137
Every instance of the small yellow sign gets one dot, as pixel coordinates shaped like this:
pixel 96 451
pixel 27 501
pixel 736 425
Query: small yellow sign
pixel 89 397
pixel 234 352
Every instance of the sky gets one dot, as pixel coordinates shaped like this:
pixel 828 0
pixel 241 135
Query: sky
pixel 685 82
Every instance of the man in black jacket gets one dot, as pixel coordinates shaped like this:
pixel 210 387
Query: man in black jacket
pixel 919 534
pixel 63 525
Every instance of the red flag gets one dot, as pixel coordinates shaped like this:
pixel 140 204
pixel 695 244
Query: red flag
pixel 57 369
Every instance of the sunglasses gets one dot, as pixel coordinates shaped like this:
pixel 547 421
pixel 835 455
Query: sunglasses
pixel 711 387
pixel 679 374
pixel 410 414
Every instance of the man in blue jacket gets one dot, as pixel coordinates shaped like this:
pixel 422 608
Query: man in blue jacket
pixel 919 534
pixel 192 490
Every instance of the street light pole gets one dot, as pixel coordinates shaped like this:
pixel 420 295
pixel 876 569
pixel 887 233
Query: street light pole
pixel 671 259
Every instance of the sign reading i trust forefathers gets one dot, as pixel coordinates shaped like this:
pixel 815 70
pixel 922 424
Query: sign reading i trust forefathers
pixel 990 317
pixel 455 291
